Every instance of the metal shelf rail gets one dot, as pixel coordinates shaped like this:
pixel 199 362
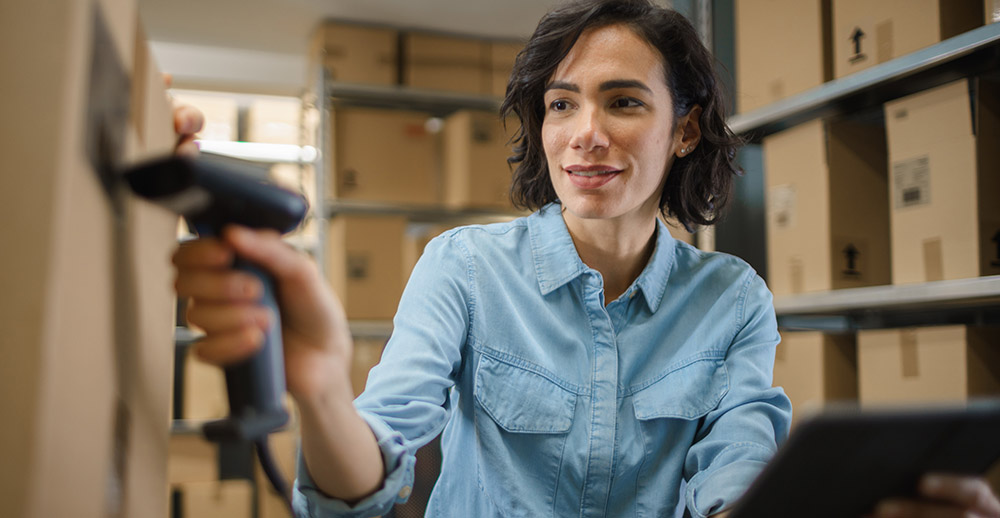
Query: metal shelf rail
pixel 968 54
pixel 965 301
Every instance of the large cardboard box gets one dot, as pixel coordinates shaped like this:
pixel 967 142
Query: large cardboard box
pixel 355 53
pixel 782 49
pixel 450 63
pixel 385 156
pixel 945 177
pixel 366 268
pixel 476 174
pixel 827 213
pixel 274 120
pixel 816 369
pixel 869 32
pixel 928 364
pixel 502 57
pixel 86 305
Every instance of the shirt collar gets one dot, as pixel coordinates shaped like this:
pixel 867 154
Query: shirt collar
pixel 557 262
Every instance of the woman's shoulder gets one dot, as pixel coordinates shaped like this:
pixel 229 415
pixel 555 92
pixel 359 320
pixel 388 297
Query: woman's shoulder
pixel 691 261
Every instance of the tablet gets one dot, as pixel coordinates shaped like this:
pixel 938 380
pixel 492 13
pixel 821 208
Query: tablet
pixel 839 464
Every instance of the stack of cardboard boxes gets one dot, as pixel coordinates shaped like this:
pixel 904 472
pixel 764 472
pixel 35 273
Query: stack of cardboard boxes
pixel 897 195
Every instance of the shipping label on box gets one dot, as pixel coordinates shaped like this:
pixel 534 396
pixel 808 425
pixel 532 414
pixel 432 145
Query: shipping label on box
pixel 782 49
pixel 944 180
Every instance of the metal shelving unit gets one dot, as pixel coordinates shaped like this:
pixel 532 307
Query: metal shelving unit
pixel 971 53
pixel 965 301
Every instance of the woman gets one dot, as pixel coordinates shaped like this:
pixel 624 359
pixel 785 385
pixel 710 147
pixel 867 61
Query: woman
pixel 578 361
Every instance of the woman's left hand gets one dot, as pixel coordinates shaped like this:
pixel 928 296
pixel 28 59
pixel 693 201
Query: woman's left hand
pixel 944 496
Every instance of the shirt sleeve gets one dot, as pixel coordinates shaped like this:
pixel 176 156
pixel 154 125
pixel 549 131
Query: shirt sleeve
pixel 406 400
pixel 739 437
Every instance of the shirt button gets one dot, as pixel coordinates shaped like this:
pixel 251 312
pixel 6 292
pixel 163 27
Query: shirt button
pixel 405 492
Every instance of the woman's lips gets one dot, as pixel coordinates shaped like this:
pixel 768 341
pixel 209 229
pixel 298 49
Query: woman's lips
pixel 591 176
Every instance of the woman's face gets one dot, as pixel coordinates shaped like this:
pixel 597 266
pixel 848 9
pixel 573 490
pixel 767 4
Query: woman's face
pixel 608 128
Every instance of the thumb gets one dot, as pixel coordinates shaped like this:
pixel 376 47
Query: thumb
pixel 265 249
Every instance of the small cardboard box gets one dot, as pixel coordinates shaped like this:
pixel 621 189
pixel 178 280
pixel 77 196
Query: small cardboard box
pixel 782 49
pixel 928 364
pixel 475 161
pixel 502 57
pixel 867 32
pixel 451 63
pixel 385 156
pixel 355 53
pixel 366 268
pixel 816 369
pixel 827 209
pixel 944 181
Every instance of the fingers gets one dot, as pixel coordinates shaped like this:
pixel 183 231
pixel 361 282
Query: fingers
pixel 226 318
pixel 203 253
pixel 224 349
pixel 970 493
pixel 918 509
pixel 219 286
pixel 188 120
pixel 263 247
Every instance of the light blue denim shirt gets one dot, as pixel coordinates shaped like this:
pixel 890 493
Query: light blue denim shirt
pixel 553 404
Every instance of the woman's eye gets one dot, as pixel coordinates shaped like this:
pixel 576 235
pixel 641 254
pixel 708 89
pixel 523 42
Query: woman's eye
pixel 559 105
pixel 626 102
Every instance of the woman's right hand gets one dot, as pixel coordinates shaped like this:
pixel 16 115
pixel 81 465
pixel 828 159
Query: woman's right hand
pixel 225 304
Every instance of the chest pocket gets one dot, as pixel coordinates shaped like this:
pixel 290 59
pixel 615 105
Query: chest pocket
pixel 689 392
pixel 522 401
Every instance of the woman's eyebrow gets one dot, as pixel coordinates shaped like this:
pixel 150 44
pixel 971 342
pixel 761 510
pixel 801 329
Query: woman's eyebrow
pixel 612 84
pixel 562 85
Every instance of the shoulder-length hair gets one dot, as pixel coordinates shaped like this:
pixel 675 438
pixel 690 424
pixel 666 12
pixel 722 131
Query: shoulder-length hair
pixel 698 185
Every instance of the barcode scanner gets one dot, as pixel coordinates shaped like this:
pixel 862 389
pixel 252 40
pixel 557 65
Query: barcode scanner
pixel 211 192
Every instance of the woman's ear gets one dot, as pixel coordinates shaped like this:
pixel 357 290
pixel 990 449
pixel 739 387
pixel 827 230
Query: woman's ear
pixel 688 132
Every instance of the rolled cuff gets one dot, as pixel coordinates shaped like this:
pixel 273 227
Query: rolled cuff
pixel 309 502
pixel 716 489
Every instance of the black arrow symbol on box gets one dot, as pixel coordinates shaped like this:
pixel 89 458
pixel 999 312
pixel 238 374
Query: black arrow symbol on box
pixel 856 38
pixel 851 253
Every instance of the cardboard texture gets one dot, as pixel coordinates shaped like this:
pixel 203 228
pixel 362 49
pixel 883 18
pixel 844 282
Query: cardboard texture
pixel 866 33
pixel 827 213
pixel 930 364
pixel 385 156
pixel 204 390
pixel 354 53
pixel 86 304
pixel 816 369
pixel 218 499
pixel 502 57
pixel 476 174
pixel 274 121
pixel 192 459
pixel 451 63
pixel 782 49
pixel 366 269
pixel 944 179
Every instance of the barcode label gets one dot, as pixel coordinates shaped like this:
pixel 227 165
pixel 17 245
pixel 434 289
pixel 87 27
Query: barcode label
pixel 911 182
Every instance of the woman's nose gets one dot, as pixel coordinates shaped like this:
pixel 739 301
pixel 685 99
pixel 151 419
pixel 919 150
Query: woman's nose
pixel 589 132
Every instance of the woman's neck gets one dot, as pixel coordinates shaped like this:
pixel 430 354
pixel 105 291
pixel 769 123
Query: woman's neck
pixel 618 249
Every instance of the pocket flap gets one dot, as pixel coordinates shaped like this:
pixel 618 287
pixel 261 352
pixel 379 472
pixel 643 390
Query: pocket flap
pixel 523 401
pixel 689 392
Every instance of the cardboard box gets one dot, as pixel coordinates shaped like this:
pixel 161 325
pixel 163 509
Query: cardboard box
pixel 219 499
pixel 944 180
pixel 502 57
pixel 192 459
pixel 204 390
pixel 816 369
pixel 274 120
pixel 782 49
pixel 928 364
pixel 86 306
pixel 284 447
pixel 385 156
pixel 354 53
pixel 992 16
pixel 476 174
pixel 866 32
pixel 366 269
pixel 827 213
pixel 451 63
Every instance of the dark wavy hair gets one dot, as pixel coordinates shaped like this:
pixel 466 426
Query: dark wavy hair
pixel 699 185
